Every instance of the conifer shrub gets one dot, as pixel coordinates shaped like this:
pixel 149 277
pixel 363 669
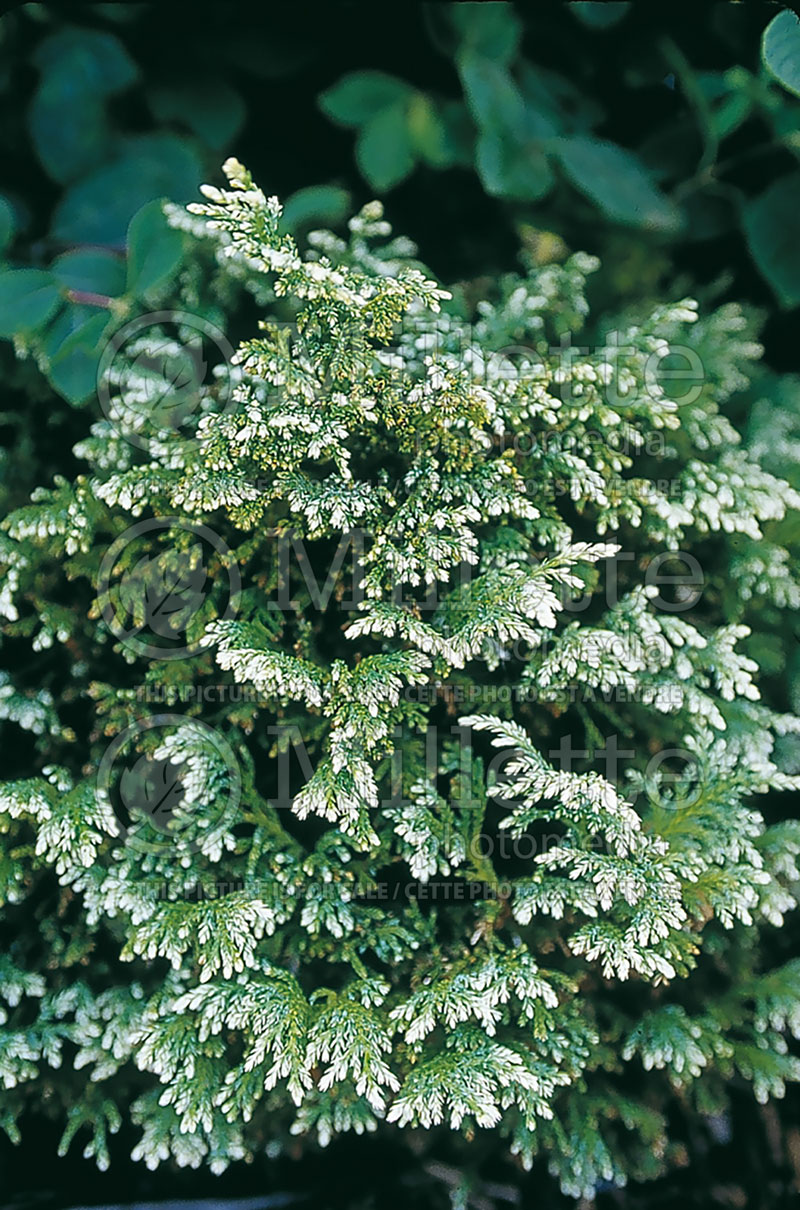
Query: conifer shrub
pixel 392 692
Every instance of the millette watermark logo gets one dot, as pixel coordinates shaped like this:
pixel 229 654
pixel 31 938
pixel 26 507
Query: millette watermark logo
pixel 156 583
pixel 159 371
pixel 170 780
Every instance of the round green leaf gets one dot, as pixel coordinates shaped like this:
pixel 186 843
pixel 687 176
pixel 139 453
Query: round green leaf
pixel 780 50
pixel 599 16
pixel 357 97
pixel 512 170
pixel 492 29
pixel 69 319
pixel 493 98
pixel 98 208
pixel 97 60
pixel 155 250
pixel 68 126
pixel 429 135
pixel 91 271
pixel 316 204
pixel 212 109
pixel 383 149
pixel 616 181
pixel 28 297
pixel 73 368
pixel 771 224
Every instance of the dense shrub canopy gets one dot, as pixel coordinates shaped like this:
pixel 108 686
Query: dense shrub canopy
pixel 417 786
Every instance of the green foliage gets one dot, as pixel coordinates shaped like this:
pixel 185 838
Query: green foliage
pixel 98 208
pixel 348 945
pixel 398 126
pixel 616 182
pixel 780 50
pixel 68 119
pixel 106 241
pixel 545 136
pixel 28 297
pixel 768 221
pixel 63 317
pixel 155 251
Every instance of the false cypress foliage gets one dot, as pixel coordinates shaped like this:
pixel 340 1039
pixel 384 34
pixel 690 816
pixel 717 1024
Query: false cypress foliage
pixel 466 837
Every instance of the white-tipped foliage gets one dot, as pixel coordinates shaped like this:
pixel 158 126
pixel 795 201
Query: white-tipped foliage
pixel 431 924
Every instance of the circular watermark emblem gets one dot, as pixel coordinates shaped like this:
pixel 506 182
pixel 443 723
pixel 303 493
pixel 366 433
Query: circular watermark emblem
pixel 156 373
pixel 170 780
pixel 152 601
pixel 673 780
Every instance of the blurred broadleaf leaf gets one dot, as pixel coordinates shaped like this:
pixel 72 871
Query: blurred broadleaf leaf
pixel 316 204
pixel 91 270
pixel 429 134
pixel 359 96
pixel 155 250
pixel 69 319
pixel 383 149
pixel 73 367
pixel 28 297
pixel 729 115
pixel 68 126
pixel 600 16
pixel 96 60
pixel 492 29
pixel 780 50
pixel 772 227
pixel 492 96
pixel 211 108
pixel 509 170
pixel 617 181
pixel 98 208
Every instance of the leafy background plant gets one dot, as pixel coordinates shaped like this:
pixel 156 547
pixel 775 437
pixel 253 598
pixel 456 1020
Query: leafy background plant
pixel 666 143
pixel 661 143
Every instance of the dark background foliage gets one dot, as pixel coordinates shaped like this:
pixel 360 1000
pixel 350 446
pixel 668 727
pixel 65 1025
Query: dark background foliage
pixel 109 106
